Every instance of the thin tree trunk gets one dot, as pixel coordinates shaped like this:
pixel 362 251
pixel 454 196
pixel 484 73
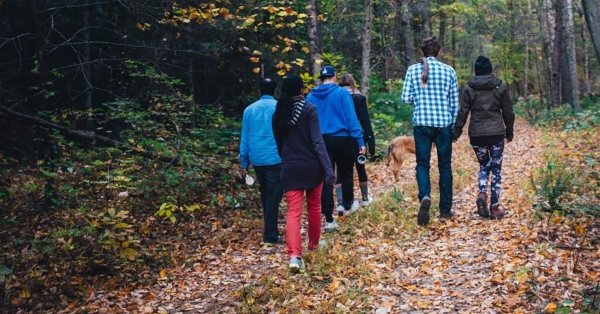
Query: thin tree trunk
pixel 591 9
pixel 525 30
pixel 442 30
pixel 571 64
pixel 314 38
pixel 586 61
pixel 557 54
pixel 545 43
pixel 453 41
pixel 366 45
pixel 408 38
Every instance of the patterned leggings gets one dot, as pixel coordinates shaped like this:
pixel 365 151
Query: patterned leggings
pixel 490 160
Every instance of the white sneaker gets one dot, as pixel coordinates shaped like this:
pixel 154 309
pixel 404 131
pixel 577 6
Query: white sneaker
pixel 367 202
pixel 341 211
pixel 331 226
pixel 354 208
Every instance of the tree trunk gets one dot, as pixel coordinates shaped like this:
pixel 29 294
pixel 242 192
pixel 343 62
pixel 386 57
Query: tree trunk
pixel 572 91
pixel 87 67
pixel 394 63
pixel 556 54
pixel 525 30
pixel 586 61
pixel 591 9
pixel 408 38
pixel 314 39
pixel 366 45
pixel 442 30
pixel 545 43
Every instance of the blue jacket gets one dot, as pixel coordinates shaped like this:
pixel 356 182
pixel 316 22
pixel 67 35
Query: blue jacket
pixel 337 116
pixel 257 145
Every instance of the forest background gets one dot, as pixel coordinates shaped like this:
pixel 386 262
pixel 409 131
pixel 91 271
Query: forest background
pixel 120 119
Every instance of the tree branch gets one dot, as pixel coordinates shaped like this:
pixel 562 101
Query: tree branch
pixel 85 136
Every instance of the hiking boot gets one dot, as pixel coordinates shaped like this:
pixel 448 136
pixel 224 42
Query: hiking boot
pixel 366 202
pixel 341 210
pixel 331 226
pixel 296 265
pixel 497 212
pixel 423 216
pixel 271 244
pixel 482 207
pixel 447 215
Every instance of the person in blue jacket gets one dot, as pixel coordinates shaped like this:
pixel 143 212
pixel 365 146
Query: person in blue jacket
pixel 258 147
pixel 339 126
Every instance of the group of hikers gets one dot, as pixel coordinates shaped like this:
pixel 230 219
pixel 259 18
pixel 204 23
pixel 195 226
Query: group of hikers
pixel 295 143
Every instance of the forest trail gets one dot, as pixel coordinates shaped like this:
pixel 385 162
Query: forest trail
pixel 379 262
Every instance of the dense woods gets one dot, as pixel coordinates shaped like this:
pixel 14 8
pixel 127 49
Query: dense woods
pixel 120 119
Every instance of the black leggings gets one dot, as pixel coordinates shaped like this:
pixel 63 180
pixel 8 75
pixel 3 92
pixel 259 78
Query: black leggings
pixel 342 152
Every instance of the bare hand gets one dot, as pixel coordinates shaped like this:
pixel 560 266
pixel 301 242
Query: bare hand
pixel 362 150
pixel 244 172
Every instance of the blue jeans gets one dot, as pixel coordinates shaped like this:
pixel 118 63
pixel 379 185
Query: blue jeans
pixel 271 192
pixel 425 136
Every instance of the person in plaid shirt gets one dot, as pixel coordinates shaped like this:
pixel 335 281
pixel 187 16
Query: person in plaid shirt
pixel 432 87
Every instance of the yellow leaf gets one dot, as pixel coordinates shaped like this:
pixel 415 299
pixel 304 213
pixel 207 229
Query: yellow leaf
pixel 551 308
pixel 111 212
pixel 128 253
pixel 257 53
pixel 334 285
pixel 557 219
pixel 411 288
pixel 522 277
pixel 163 274
pixel 256 70
pixel 25 294
pixel 579 230
pixel 425 292
pixel 255 59
pixel 125 244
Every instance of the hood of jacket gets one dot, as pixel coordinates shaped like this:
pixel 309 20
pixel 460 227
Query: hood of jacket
pixel 323 90
pixel 484 82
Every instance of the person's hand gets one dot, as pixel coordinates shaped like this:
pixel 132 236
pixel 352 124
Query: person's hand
pixel 243 172
pixel 362 150
pixel 455 140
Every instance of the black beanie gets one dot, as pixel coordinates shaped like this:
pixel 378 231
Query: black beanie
pixel 483 66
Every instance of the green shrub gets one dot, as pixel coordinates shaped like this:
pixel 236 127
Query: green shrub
pixel 551 184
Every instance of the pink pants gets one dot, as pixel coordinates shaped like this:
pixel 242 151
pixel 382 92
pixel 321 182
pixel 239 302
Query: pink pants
pixel 292 234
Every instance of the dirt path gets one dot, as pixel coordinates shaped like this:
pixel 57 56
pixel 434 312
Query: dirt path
pixel 380 262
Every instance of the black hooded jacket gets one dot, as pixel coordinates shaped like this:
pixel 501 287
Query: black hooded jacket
pixel 487 99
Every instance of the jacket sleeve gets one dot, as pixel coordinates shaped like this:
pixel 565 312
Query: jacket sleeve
pixel 319 146
pixel 508 115
pixel 244 142
pixel 362 112
pixel 463 113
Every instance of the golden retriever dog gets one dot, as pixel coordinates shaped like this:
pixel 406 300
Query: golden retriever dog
pixel 398 150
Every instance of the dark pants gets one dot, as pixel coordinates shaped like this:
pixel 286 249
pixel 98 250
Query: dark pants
pixel 361 170
pixel 341 153
pixel 271 192
pixel 490 160
pixel 442 137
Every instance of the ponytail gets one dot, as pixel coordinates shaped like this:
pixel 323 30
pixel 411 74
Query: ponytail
pixel 425 70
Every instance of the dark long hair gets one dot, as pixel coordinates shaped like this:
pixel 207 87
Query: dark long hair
pixel 292 86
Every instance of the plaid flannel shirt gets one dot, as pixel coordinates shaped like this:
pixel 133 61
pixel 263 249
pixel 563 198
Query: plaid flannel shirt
pixel 436 104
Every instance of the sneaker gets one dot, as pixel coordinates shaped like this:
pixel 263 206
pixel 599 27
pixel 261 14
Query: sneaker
pixel 353 208
pixel 482 207
pixel 331 226
pixel 497 212
pixel 366 202
pixel 296 265
pixel 271 244
pixel 341 210
pixel 423 216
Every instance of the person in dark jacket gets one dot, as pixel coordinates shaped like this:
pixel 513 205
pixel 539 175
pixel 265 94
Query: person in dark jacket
pixel 492 119
pixel 362 113
pixel 305 165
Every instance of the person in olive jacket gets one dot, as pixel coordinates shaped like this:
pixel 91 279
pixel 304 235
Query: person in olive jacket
pixel 492 119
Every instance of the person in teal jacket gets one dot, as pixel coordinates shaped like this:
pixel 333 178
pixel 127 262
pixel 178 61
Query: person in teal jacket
pixel 258 147
pixel 339 126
